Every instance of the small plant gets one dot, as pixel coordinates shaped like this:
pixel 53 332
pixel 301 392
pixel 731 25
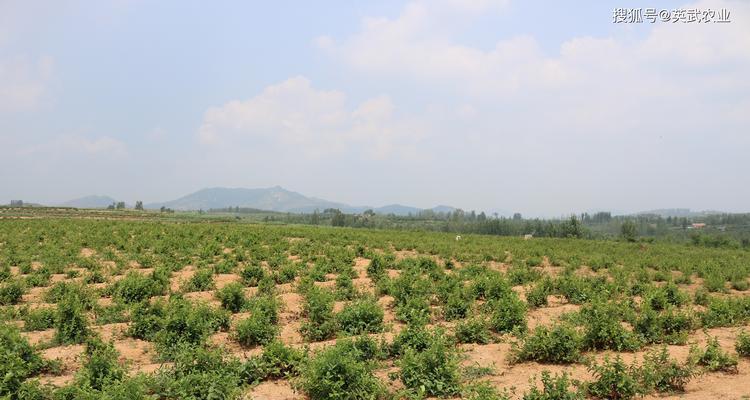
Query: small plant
pixel 713 358
pixel 11 291
pixel 318 308
pixel 133 288
pixel 361 316
pixel 232 297
pixel 742 345
pixel 39 319
pixel 202 280
pixel 100 366
pixel 508 314
pixel 18 361
pixel 255 329
pixel 475 330
pixel 277 361
pixel 484 391
pixel 252 274
pixel 345 289
pixel 433 371
pixel 559 345
pixel 337 373
pixel 614 380
pixel 556 387
pixel 184 324
pixel 664 374
pixel 71 323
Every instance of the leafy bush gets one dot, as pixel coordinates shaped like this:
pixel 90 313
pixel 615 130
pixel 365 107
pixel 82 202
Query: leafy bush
pixel 670 326
pixel 537 296
pixel 345 289
pixel 100 365
pixel 255 329
pixel 414 336
pixel 318 308
pixel 71 323
pixel 18 360
pixel 615 380
pixel 39 319
pixel 232 297
pixel 11 292
pixel 199 373
pixel 433 371
pixel 556 387
pixel 604 331
pixel 475 330
pixel 202 280
pixel 742 345
pixel 337 373
pixel 457 305
pixel 508 314
pixel 184 324
pixel 361 316
pixel 277 361
pixel 134 287
pixel 713 358
pixel 664 374
pixel 252 274
pixel 71 291
pixel 559 345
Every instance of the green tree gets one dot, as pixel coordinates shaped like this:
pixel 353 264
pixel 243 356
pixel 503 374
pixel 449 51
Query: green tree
pixel 139 205
pixel 629 231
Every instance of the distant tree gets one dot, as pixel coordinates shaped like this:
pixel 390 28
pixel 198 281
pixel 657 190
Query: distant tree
pixel 517 217
pixel 629 231
pixel 338 219
pixel 120 205
pixel 369 213
pixel 111 206
pixel 139 205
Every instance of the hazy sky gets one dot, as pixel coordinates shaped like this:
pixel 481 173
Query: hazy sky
pixel 534 106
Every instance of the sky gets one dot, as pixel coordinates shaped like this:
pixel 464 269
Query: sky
pixel 544 108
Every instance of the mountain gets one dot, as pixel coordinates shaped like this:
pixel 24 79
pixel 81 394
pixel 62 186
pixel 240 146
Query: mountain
pixel 90 202
pixel 272 199
pixel 680 212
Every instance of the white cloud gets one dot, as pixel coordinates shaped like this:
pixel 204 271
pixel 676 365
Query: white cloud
pixel 65 146
pixel 315 123
pixel 23 83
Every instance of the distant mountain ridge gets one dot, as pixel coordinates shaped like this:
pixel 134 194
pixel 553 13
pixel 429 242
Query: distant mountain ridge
pixel 93 201
pixel 680 212
pixel 273 198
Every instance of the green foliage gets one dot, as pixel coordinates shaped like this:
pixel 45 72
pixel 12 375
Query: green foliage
pixel 556 387
pixel 713 358
pixel 199 373
pixel 613 380
pixel 508 314
pixel 414 336
pixel 670 326
pixel 39 319
pixel 252 274
pixel 183 324
pixel 603 329
pixel 135 287
pixel 474 330
pixel 18 361
pixel 255 329
pixel 742 345
pixel 100 365
pixel 664 374
pixel 71 323
pixel 11 291
pixel 361 316
pixel 433 371
pixel 338 373
pixel 560 344
pixel 232 297
pixel 318 309
pixel 277 361
pixel 202 280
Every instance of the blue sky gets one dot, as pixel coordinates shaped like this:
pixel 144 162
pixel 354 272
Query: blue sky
pixel 540 107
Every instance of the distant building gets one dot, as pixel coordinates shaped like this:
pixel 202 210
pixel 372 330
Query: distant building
pixel 16 203
pixel 698 225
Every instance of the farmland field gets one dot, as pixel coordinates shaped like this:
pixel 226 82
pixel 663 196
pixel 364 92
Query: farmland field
pixel 140 307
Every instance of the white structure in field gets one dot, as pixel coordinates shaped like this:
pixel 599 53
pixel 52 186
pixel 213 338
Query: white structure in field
pixel 528 236
pixel 458 237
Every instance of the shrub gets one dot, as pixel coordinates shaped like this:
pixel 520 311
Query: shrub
pixel 73 291
pixel 277 361
pixel 337 373
pixel 537 296
pixel 473 330
pixel 740 284
pixel 18 360
pixel 377 268
pixel 232 297
pixel 508 314
pixel 433 371
pixel 252 274
pixel 559 345
pixel 100 365
pixel 361 316
pixel 713 358
pixel 186 324
pixel 345 289
pixel 11 292
pixel 133 288
pixel 614 380
pixel 202 280
pixel 670 326
pixel 255 329
pixel 556 387
pixel 146 320
pixel 71 323
pixel 604 331
pixel 414 336
pixel 318 308
pixel 664 374
pixel 483 391
pixel 39 319
pixel 457 305
pixel 742 345
pixel 199 373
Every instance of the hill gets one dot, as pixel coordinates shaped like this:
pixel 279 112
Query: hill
pixel 92 201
